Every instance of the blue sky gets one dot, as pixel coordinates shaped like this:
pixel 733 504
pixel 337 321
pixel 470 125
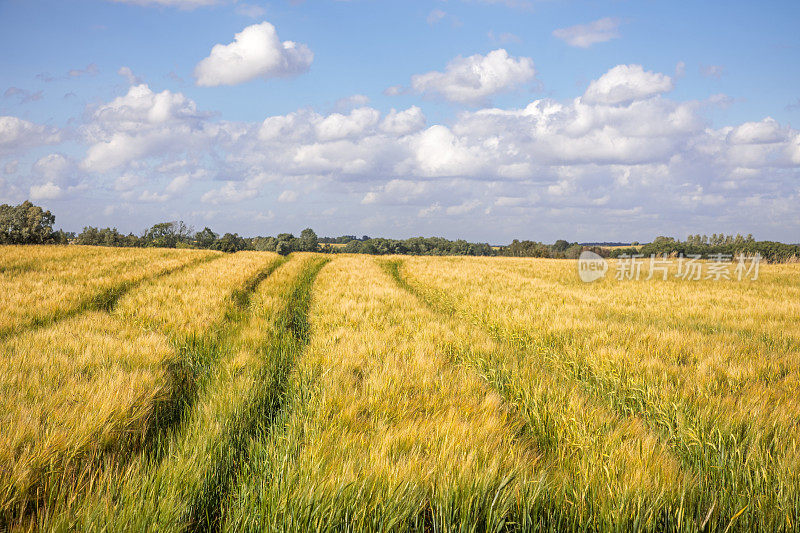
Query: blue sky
pixel 484 120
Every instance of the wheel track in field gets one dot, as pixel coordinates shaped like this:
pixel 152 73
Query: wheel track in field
pixel 195 358
pixel 186 373
pixel 538 424
pixel 338 508
pixel 102 300
pixel 705 450
pixel 265 403
pixel 159 496
pixel 768 341
pixel 83 463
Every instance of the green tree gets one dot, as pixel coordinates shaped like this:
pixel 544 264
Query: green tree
pixel 205 238
pixel 167 234
pixel 264 244
pixel 230 243
pixel 25 224
pixel 368 248
pixel 308 240
pixel 287 243
pixel 352 247
pixel 573 252
pixel 560 245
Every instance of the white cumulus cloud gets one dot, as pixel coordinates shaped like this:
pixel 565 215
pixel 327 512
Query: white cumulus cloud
pixel 17 135
pixel 471 80
pixel 55 168
pixel 141 124
pixel 231 192
pixel 338 126
pixel 763 132
pixel 439 152
pixel 47 191
pixel 255 52
pixel 403 122
pixel 626 83
pixel 462 208
pixel 620 153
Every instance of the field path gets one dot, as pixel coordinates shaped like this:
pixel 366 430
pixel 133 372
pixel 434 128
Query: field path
pixel 46 292
pixel 640 481
pixel 111 395
pixel 732 451
pixel 182 485
pixel 389 423
pixel 378 431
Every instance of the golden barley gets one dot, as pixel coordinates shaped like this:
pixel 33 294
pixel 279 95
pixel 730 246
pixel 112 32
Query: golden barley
pixel 249 392
pixel 710 366
pixel 89 278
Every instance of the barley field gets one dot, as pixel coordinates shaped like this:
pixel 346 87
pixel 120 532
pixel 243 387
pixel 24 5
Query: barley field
pixel 186 390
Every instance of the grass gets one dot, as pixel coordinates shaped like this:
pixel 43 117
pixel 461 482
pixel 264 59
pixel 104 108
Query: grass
pixel 182 487
pixel 380 431
pixel 720 398
pixel 593 458
pixel 105 382
pixel 250 392
pixel 65 399
pixel 51 283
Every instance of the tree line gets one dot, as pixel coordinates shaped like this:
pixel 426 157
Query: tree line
pixel 30 224
pixel 715 246
pixel 179 235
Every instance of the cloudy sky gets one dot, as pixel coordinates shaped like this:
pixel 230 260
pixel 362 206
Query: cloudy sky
pixel 477 119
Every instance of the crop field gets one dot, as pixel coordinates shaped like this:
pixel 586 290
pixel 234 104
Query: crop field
pixel 188 390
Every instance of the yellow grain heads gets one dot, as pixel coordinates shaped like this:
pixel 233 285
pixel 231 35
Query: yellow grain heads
pixel 50 282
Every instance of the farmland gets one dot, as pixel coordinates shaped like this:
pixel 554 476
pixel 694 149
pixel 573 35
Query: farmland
pixel 177 390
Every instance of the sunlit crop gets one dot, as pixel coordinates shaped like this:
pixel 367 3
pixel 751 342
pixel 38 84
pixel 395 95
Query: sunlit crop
pixel 97 382
pixel 48 283
pixel 708 368
pixel 252 392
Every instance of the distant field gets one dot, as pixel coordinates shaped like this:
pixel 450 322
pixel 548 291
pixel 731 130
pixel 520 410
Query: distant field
pixel 178 390
pixel 622 247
